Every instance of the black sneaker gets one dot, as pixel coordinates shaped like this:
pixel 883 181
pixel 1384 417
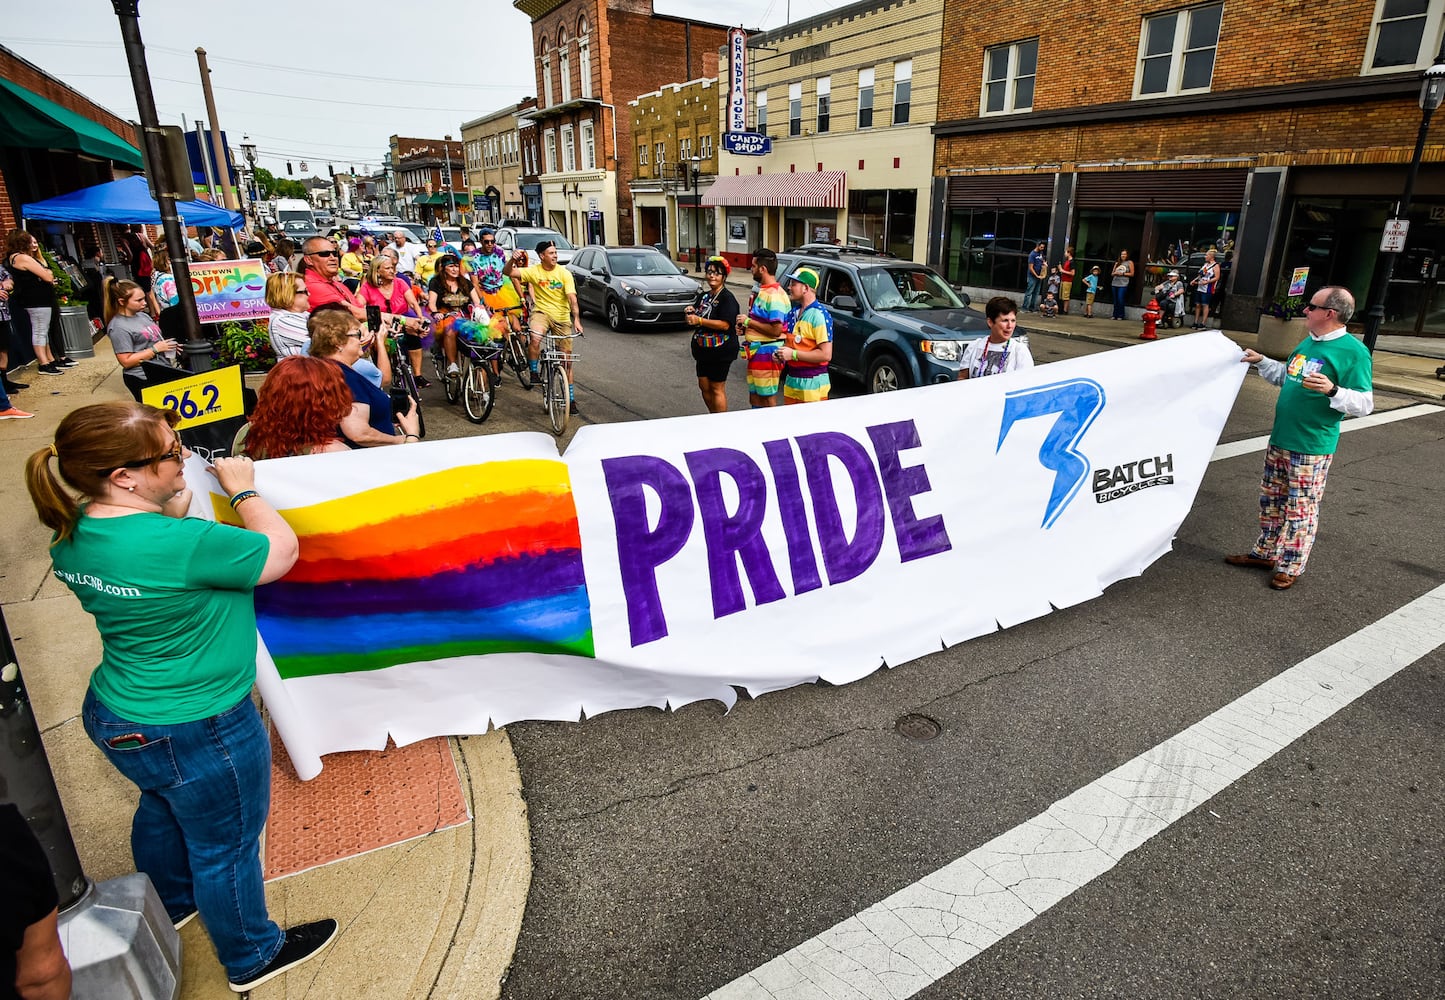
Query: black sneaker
pixel 66 362
pixel 572 407
pixel 422 382
pixel 303 942
pixel 50 369
pixel 15 386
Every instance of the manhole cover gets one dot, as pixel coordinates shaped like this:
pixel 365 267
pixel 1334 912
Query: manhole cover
pixel 918 728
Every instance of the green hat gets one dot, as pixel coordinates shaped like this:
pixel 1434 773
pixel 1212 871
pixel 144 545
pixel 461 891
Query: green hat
pixel 806 276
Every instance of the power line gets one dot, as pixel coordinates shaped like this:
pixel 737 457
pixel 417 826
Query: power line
pixel 272 93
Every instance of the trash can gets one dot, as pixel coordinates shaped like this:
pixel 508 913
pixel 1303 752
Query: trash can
pixel 76 332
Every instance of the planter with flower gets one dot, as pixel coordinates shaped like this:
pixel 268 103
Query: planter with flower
pixel 1282 326
pixel 243 343
pixel 76 334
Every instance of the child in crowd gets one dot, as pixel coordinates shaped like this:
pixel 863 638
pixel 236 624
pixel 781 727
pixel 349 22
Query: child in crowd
pixel 1054 283
pixel 1091 288
pixel 1049 306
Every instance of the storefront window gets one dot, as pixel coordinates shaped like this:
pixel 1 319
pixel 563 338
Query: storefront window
pixel 1100 237
pixel 990 248
pixel 883 220
pixel 1177 240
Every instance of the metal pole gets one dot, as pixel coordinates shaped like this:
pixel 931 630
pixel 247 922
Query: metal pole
pixel 198 351
pixel 1385 262
pixel 696 236
pixel 206 160
pixel 451 195
pixel 26 778
pixel 223 175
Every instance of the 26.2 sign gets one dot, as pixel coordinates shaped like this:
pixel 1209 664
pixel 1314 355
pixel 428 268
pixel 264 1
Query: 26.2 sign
pixel 200 399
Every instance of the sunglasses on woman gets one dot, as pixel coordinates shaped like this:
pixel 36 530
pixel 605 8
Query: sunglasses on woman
pixel 175 454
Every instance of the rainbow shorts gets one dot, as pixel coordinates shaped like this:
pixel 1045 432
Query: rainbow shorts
pixel 806 385
pixel 764 368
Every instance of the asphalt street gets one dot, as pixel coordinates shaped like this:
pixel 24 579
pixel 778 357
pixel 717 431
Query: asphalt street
pixel 676 852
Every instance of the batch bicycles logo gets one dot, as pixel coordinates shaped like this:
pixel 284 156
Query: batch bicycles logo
pixel 1076 404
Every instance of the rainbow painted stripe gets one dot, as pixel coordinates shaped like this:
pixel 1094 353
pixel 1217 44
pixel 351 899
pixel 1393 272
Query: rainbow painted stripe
pixel 476 559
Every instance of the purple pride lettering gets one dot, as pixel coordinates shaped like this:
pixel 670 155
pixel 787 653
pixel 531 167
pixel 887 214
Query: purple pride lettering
pixel 640 551
pixel 801 560
pixel 736 536
pixel 901 483
pixel 843 559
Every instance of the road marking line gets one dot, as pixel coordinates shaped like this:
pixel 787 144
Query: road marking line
pixel 927 930
pixel 1236 448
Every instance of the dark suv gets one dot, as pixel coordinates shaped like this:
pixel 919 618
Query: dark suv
pixel 895 324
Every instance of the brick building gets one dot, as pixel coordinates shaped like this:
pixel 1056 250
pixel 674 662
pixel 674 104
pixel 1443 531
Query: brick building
pixel 593 55
pixel 530 138
pixel 848 98
pixel 422 185
pixel 493 149
pixel 674 131
pixel 54 140
pixel 1278 133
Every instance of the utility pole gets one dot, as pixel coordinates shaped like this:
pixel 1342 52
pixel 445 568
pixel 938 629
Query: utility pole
pixel 198 351
pixel 217 146
pixel 451 195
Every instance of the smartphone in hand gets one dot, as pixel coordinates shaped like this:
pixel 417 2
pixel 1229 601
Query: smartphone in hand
pixel 373 318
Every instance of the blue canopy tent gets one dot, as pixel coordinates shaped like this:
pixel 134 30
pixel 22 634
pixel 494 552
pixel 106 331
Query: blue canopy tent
pixel 125 201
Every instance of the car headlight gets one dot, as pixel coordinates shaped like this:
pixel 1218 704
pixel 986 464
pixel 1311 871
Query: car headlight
pixel 630 289
pixel 944 350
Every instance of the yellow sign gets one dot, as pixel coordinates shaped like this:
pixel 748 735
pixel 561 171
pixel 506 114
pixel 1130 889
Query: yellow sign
pixel 200 399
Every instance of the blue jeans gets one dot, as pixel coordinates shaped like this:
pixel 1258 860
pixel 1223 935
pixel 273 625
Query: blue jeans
pixel 1032 293
pixel 205 790
pixel 1120 291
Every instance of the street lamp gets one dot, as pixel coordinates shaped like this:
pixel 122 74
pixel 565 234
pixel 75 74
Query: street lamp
pixel 248 150
pixel 696 162
pixel 1432 92
pixel 451 195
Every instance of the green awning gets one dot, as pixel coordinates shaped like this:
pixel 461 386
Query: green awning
pixel 29 121
pixel 440 199
pixel 421 199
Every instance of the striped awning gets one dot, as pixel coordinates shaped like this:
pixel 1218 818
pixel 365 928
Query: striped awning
pixel 822 189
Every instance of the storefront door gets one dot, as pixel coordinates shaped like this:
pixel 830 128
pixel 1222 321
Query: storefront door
pixel 1415 301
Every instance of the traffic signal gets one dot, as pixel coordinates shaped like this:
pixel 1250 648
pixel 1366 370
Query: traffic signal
pixel 289 171
pixel 331 170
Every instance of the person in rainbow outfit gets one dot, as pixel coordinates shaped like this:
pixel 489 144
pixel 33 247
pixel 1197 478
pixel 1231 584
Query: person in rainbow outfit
pixel 762 331
pixel 807 343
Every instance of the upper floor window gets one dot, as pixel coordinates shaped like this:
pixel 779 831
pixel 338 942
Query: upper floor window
pixel 684 148
pixel 1176 51
pixel 584 58
pixel 825 98
pixel 1008 77
pixel 902 91
pixel 704 146
pixel 546 76
pixel 1403 35
pixel 569 149
pixel 642 154
pixel 589 148
pixel 551 140
pixel 865 98
pixel 762 123
pixel 795 109
pixel 660 160
pixel 564 65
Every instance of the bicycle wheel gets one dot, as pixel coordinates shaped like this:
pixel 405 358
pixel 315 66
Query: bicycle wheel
pixel 558 399
pixel 451 383
pixel 517 358
pixel 477 391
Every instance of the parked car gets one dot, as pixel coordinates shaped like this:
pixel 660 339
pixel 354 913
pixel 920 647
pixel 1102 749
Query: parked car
pixel 511 238
pixel 896 324
pixel 324 219
pixel 298 231
pixel 835 249
pixel 631 285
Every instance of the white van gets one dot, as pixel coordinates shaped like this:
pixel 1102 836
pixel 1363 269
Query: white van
pixel 293 210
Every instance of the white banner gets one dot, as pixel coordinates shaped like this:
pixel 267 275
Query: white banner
pixel 447 586
pixel 737 81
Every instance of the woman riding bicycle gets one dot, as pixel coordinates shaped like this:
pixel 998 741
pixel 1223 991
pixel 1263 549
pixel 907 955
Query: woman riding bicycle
pixel 383 288
pixel 452 300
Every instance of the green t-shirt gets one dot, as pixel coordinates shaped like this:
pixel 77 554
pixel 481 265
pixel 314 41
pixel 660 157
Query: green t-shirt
pixel 1304 421
pixel 172 600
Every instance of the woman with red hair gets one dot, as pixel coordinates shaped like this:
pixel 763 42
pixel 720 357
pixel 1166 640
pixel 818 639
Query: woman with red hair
pixel 298 411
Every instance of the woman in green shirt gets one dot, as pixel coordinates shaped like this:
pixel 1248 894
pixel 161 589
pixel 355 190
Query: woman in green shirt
pixel 170 703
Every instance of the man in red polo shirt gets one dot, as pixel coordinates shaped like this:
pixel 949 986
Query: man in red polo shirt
pixel 323 262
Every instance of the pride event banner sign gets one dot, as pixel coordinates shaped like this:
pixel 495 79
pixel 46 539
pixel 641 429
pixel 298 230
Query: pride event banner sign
pixel 229 289
pixel 447 586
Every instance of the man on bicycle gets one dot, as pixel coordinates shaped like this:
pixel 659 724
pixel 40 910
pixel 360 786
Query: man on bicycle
pixel 554 295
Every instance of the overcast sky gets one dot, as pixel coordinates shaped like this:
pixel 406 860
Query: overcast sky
pixel 319 82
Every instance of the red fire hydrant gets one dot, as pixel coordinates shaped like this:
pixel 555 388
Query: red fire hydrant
pixel 1152 315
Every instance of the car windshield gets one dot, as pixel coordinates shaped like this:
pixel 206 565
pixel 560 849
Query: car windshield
pixel 529 241
pixel 895 288
pixel 625 264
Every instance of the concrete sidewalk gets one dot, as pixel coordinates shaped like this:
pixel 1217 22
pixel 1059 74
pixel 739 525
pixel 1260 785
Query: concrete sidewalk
pixel 433 917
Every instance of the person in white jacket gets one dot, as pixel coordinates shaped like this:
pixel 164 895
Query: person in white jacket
pixel 998 352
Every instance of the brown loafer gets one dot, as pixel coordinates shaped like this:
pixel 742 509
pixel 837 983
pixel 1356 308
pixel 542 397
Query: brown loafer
pixel 1282 581
pixel 1250 560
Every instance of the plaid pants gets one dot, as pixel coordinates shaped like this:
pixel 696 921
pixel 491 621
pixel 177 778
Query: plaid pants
pixel 1289 507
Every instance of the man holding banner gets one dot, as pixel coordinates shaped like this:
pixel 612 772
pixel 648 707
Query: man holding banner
pixel 1327 377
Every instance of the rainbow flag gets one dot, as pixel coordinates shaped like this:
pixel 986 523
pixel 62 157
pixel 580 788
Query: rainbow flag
pixel 475 559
